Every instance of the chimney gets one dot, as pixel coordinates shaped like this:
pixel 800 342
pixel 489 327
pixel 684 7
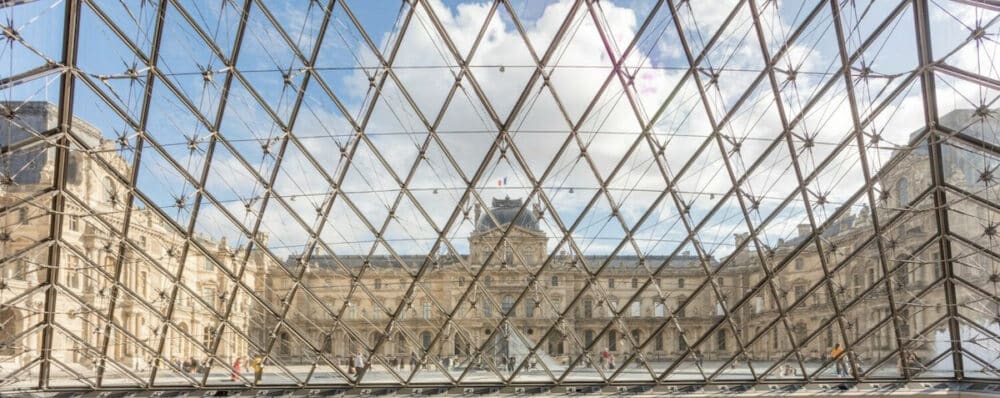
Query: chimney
pixel 804 230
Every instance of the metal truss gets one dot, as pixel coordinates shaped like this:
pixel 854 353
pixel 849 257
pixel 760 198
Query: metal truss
pixel 755 140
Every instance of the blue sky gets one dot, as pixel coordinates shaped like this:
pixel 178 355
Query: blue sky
pixel 395 129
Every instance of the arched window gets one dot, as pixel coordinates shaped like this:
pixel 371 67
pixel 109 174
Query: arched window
pixel 659 310
pixel 529 308
pixel 902 192
pixel 206 336
pixel 461 346
pixel 425 339
pixel 507 305
pixel 556 344
pixel 373 338
pixel 400 343
pixel 284 346
pixel 801 331
pixel 637 336
pixel 636 310
pixel 328 343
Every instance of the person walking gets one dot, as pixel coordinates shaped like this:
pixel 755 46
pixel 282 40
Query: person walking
pixel 236 370
pixel 359 365
pixel 837 355
pixel 258 369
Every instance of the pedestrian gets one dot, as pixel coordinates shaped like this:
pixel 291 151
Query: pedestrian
pixel 510 363
pixel 413 361
pixel 698 358
pixel 837 355
pixel 359 365
pixel 258 369
pixel 604 358
pixel 236 370
pixel 611 361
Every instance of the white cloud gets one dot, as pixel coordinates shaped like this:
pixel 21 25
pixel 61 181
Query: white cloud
pixel 397 131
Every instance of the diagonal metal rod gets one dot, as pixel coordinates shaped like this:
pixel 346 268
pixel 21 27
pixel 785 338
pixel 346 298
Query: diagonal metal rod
pixel 201 182
pixel 129 199
pixel 831 293
pixel 71 31
pixel 865 169
pixel 927 82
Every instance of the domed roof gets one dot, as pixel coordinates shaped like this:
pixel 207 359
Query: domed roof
pixel 504 211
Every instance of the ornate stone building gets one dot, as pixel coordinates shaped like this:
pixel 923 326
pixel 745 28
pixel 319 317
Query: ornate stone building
pixel 90 259
pixel 351 299
pixel 363 293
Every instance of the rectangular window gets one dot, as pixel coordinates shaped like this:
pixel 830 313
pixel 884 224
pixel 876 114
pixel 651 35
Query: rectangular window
pixel 680 283
pixel 74 272
pixel 636 310
pixel 611 283
pixel 208 294
pixel 74 223
pixel 426 311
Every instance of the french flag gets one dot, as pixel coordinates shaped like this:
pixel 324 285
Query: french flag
pixel 501 182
